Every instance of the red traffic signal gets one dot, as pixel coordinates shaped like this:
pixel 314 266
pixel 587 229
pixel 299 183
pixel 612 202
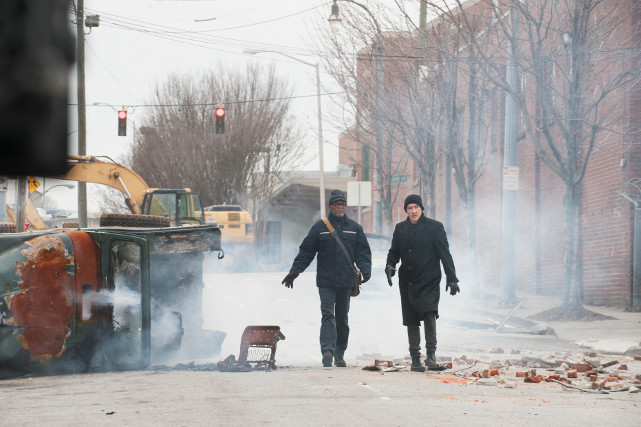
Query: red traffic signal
pixel 220 120
pixel 122 123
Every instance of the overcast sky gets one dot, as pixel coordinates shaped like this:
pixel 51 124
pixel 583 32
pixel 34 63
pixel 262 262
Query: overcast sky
pixel 141 42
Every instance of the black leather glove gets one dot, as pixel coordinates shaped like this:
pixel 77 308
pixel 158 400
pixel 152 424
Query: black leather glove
pixel 453 287
pixel 389 272
pixel 288 281
pixel 366 277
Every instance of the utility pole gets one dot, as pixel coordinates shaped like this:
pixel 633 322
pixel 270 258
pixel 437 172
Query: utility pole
pixel 509 159
pixel 82 118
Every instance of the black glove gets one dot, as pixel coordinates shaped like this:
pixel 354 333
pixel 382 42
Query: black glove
pixel 366 277
pixel 389 271
pixel 288 281
pixel 453 287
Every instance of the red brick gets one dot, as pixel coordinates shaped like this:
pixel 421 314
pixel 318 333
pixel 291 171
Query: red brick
pixel 581 367
pixel 572 373
pixel 623 367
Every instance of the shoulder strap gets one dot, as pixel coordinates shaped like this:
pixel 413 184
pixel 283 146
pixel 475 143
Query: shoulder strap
pixel 332 231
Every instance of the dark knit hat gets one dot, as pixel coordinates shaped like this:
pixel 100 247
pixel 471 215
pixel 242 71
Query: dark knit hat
pixel 336 196
pixel 413 198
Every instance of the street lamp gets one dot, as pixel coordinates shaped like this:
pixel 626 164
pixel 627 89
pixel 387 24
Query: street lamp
pixel 334 19
pixel 320 121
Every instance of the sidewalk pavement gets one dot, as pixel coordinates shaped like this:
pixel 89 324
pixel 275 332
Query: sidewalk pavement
pixel 621 335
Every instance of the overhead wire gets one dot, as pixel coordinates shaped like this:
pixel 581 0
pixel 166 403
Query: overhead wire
pixel 201 38
pixel 205 104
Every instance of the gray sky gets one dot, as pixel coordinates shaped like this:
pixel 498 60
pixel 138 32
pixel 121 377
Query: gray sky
pixel 142 42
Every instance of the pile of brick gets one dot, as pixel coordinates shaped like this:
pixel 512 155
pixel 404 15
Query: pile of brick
pixel 592 373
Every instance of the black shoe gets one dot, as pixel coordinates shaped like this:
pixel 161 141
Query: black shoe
pixel 340 362
pixel 416 364
pixel 430 361
pixel 327 359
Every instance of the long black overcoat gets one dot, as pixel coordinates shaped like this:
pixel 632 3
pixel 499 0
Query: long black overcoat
pixel 422 248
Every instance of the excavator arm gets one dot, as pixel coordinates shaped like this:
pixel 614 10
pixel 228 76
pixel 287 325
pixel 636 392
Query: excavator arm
pixel 90 169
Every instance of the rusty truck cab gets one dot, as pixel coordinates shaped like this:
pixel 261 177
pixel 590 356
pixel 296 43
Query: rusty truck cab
pixel 73 301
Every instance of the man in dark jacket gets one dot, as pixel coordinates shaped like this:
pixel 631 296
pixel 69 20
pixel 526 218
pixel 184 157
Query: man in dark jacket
pixel 334 274
pixel 421 245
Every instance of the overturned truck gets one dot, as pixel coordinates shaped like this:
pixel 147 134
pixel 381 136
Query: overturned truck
pixel 113 298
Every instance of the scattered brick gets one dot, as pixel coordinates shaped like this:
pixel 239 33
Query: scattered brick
pixel 600 384
pixel 572 373
pixel 521 374
pixel 534 379
pixel 581 367
pixel 553 377
pixel 494 372
pixel 623 367
pixel 637 357
pixel 486 373
pixel 591 374
pixel 449 365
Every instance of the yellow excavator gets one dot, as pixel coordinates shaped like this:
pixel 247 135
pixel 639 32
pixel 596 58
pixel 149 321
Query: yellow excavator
pixel 179 206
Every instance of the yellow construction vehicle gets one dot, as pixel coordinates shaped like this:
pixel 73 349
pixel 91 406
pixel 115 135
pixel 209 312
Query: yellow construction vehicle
pixel 235 223
pixel 180 206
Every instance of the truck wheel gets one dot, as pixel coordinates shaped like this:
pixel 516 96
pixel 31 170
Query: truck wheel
pixel 128 220
pixel 7 227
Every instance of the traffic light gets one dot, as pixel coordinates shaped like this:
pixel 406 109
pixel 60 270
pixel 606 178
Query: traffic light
pixel 220 120
pixel 122 123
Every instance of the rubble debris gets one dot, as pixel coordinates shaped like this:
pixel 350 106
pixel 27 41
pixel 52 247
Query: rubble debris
pixel 384 366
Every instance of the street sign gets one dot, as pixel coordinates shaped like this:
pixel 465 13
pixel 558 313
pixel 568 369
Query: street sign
pixel 510 178
pixel 359 193
pixel 33 184
pixel 399 178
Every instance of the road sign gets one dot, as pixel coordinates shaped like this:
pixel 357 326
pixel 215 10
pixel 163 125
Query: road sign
pixel 511 178
pixel 359 193
pixel 399 178
pixel 33 184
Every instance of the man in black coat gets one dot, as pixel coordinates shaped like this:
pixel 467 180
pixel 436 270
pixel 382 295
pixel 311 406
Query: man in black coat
pixel 334 274
pixel 421 245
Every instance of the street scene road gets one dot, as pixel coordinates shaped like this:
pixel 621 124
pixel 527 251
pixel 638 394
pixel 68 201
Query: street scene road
pixel 300 391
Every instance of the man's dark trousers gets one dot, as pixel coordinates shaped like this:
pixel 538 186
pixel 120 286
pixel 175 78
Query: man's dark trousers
pixel 334 331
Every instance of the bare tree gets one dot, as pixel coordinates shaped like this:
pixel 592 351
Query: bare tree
pixel 574 60
pixel 176 144
pixel 362 65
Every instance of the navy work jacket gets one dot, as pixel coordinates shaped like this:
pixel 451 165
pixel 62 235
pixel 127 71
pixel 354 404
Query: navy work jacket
pixel 333 269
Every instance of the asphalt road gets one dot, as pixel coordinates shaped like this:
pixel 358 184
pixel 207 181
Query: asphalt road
pixel 301 392
pixel 298 396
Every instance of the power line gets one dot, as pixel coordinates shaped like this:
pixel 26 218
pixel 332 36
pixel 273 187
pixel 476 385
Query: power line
pixel 204 104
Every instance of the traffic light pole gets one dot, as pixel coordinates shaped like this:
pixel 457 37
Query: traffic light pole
pixel 82 117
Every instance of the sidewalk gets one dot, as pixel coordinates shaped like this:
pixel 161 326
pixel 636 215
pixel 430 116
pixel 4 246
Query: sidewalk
pixel 617 336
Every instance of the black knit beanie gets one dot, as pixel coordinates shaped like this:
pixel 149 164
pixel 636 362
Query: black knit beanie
pixel 413 198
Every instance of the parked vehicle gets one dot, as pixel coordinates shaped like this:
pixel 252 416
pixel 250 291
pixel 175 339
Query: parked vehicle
pixel 58 213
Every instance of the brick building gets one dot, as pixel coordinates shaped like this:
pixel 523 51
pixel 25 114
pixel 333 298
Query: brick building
pixel 607 211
